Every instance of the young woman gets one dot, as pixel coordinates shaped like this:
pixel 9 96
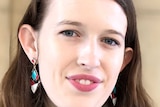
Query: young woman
pixel 76 53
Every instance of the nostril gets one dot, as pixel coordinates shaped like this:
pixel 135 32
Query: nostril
pixel 83 64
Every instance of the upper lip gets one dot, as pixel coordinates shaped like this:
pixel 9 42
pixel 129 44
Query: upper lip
pixel 94 79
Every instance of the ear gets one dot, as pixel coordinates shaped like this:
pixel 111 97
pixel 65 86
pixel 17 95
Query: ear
pixel 128 54
pixel 28 39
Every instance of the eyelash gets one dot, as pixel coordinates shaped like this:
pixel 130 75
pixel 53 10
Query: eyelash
pixel 110 41
pixel 69 33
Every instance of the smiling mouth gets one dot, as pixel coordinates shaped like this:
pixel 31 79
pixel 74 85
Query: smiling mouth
pixel 84 83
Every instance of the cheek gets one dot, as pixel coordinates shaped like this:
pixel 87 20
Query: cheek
pixel 54 56
pixel 47 58
pixel 50 61
pixel 46 64
pixel 112 65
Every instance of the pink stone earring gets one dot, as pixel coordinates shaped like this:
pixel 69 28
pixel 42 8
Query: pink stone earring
pixel 35 80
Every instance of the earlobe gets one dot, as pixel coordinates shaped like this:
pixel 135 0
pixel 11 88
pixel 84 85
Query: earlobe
pixel 28 39
pixel 127 57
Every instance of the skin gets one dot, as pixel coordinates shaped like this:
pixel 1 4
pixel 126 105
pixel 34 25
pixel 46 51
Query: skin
pixel 94 45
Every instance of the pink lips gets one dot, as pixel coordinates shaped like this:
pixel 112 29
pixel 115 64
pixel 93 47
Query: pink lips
pixel 83 82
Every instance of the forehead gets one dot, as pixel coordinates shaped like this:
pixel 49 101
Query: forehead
pixel 84 11
pixel 86 5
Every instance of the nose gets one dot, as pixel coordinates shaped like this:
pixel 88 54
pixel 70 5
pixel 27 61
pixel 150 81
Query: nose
pixel 89 56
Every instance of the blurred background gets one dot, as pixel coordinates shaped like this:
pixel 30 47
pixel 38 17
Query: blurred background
pixel 148 16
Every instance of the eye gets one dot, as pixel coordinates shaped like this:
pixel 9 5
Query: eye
pixel 69 33
pixel 110 41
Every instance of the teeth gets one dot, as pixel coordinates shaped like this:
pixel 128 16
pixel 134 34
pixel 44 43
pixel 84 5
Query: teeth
pixel 88 82
pixel 84 82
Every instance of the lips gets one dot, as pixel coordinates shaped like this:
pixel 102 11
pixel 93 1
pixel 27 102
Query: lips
pixel 84 83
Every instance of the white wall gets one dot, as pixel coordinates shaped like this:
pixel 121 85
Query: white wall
pixel 4 36
pixel 148 14
pixel 11 11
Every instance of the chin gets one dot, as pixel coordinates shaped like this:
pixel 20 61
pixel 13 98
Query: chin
pixel 82 103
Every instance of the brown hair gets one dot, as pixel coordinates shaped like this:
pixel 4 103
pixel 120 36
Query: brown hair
pixel 15 89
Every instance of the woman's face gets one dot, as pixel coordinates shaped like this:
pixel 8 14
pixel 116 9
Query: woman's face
pixel 81 51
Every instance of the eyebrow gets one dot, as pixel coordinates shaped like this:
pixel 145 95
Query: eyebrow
pixel 111 31
pixel 68 22
pixel 75 23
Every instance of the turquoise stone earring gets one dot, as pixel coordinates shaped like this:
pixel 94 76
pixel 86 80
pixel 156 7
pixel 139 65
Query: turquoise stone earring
pixel 113 96
pixel 35 80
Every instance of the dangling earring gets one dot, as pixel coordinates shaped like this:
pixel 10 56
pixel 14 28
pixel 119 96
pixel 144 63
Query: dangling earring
pixel 35 80
pixel 113 96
